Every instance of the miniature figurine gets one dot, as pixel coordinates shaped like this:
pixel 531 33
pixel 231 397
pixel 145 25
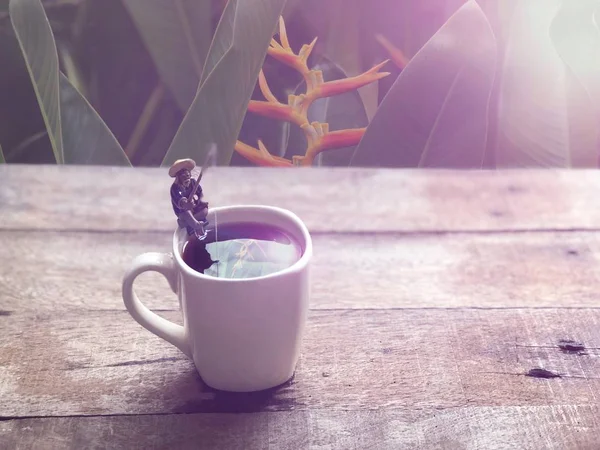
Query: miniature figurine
pixel 186 198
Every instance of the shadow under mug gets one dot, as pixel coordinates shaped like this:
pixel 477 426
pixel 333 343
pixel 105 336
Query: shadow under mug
pixel 243 334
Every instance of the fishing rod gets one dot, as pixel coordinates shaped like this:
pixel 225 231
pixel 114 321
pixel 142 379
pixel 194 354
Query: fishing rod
pixel 209 161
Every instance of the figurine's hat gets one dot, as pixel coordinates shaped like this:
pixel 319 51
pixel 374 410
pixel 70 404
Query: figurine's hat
pixel 181 164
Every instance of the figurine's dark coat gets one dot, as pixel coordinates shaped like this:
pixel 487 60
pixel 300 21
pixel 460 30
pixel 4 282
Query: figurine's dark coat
pixel 178 192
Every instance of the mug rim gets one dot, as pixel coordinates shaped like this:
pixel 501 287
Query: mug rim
pixel 294 268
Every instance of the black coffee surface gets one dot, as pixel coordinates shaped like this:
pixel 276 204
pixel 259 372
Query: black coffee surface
pixel 242 250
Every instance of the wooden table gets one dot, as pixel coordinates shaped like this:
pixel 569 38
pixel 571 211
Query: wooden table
pixel 438 298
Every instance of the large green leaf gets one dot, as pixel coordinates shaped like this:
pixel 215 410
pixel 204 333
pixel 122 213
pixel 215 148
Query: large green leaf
pixel 86 138
pixel 340 112
pixel 121 80
pixel 346 44
pixel 177 34
pixel 39 50
pixel 228 79
pixel 575 34
pixel 536 97
pixel 435 114
pixel 70 67
pixel 78 134
pixel 504 11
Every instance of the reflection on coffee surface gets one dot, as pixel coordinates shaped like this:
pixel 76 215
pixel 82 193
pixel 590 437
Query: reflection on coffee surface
pixel 242 250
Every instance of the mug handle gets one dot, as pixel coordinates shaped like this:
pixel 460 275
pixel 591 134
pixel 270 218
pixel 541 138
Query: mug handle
pixel 163 264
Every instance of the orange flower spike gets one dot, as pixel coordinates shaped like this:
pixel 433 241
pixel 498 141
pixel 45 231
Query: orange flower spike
pixel 321 139
pixel 341 138
pixel 283 52
pixel 312 136
pixel 264 88
pixel 395 53
pixel 275 160
pixel 302 66
pixel 301 160
pixel 285 43
pixel 277 111
pixel 306 50
pixel 250 153
pixel 281 162
pixel 317 134
pixel 260 157
pixel 281 55
pixel 336 87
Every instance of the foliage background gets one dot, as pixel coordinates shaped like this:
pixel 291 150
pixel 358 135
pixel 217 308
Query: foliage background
pixel 102 53
pixel 99 40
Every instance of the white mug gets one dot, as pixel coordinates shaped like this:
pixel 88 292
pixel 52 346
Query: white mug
pixel 242 334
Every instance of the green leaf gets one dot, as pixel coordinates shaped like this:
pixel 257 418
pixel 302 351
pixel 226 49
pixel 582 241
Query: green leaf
pixel 77 133
pixel 228 79
pixel 28 146
pixel 504 12
pixel 2 160
pixel 121 75
pixel 533 118
pixel 39 50
pixel 575 34
pixel 341 112
pixel 86 138
pixel 177 34
pixel 70 68
pixel 344 45
pixel 435 114
pixel 576 37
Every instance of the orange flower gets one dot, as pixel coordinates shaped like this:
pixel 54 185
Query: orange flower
pixel 283 52
pixel 284 56
pixel 261 156
pixel 274 111
pixel 395 53
pixel 341 138
pixel 317 134
pixel 321 139
pixel 331 88
pixel 273 108
pixel 265 89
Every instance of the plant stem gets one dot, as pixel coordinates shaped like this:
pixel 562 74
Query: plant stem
pixel 144 121
pixel 57 4
pixel 20 148
pixel 189 36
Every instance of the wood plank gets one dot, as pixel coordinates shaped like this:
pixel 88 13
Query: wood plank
pixel 542 427
pixel 110 198
pixel 52 271
pixel 104 363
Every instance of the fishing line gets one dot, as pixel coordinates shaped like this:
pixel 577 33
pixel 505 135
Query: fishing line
pixel 217 242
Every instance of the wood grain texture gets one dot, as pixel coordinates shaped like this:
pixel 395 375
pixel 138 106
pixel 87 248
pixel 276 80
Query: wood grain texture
pixel 64 271
pixel 529 428
pixel 104 363
pixel 440 302
pixel 106 198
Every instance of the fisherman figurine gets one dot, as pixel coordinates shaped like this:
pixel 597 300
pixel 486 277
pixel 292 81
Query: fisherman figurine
pixel 186 198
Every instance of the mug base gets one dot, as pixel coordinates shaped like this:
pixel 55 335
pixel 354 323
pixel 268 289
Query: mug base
pixel 265 389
